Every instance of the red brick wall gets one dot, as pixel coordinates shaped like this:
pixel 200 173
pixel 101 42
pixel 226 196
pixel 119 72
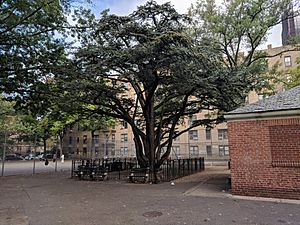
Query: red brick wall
pixel 265 157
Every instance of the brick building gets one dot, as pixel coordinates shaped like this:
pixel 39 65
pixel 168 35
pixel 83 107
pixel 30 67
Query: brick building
pixel 264 141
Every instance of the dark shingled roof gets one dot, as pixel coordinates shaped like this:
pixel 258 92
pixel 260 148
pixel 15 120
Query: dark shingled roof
pixel 287 100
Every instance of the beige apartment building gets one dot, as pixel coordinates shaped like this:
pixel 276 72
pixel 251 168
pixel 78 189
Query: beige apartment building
pixel 200 142
pixel 285 59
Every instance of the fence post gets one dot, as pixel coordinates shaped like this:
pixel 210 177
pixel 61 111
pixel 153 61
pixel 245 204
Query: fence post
pixel 4 151
pixel 173 170
pixel 201 164
pixel 183 166
pixel 119 167
pixel 167 169
pixel 188 165
pixel 179 169
pixel 72 168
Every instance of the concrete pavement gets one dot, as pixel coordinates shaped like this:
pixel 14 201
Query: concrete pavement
pixel 203 198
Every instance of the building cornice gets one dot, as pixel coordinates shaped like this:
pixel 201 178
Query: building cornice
pixel 263 115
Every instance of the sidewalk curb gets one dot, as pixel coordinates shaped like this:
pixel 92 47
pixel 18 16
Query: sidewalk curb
pixel 275 200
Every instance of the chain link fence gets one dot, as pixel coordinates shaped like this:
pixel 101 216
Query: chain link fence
pixel 21 158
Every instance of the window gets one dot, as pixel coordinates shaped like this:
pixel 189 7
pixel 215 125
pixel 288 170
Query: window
pixel 163 150
pixel 208 133
pixel 208 150
pixel 77 140
pixel 96 139
pixel 113 150
pixel 288 61
pixel 263 96
pixel 176 150
pixel 84 139
pixel 193 135
pixel 84 151
pixel 192 118
pixel 70 150
pixel 97 149
pixel 247 99
pixel 123 150
pixel 194 151
pixel 70 127
pixel 176 138
pixel 124 124
pixel 223 150
pixel 70 140
pixel 124 137
pixel 222 134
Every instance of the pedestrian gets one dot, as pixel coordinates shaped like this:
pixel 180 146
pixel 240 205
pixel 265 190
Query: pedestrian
pixel 62 158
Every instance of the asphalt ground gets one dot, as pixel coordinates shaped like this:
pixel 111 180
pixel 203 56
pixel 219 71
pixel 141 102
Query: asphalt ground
pixel 203 198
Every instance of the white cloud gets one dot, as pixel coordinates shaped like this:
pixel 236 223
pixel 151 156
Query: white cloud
pixel 124 7
pixel 180 5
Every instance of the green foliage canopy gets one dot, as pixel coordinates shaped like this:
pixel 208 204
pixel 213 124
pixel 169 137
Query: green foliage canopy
pixel 30 44
pixel 151 71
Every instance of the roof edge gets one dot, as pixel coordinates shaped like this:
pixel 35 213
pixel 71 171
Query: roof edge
pixel 260 115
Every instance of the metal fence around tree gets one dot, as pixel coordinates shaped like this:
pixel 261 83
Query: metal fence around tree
pixel 122 168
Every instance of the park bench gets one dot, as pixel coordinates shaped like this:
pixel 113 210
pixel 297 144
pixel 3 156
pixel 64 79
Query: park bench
pixel 139 174
pixel 98 173
pixel 82 171
pixel 91 172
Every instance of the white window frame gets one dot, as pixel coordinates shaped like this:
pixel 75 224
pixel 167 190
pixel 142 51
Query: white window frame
pixel 288 61
pixel 223 150
pixel 222 134
pixel 193 134
pixel 194 150
pixel 124 137
pixel 123 150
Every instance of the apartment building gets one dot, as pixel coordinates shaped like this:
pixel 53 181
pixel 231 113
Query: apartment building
pixel 118 142
pixel 285 58
pixel 209 143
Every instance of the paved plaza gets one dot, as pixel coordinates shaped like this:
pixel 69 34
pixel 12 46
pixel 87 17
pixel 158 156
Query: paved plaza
pixel 203 198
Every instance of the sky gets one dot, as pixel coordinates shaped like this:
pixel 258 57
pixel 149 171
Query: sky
pixel 125 7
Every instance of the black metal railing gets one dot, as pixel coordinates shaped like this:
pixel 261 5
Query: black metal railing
pixel 174 169
pixel 128 169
